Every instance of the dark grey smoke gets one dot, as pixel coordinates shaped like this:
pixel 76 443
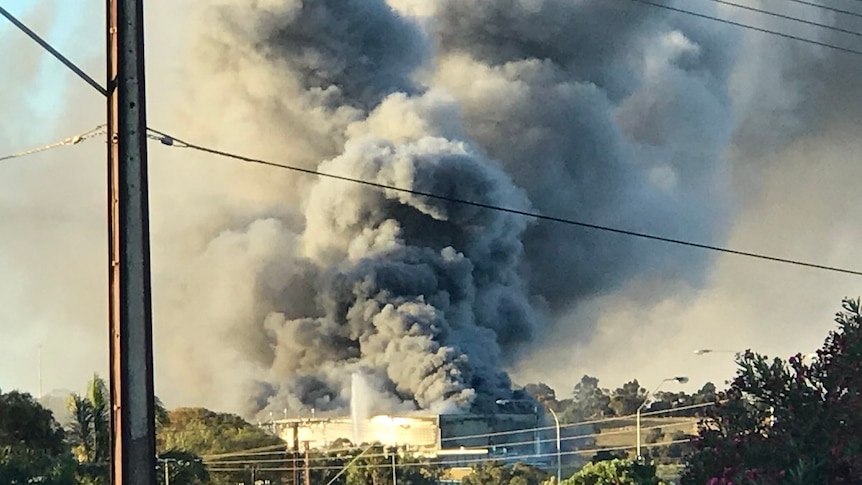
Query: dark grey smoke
pixel 589 39
pixel 419 293
pixel 579 109
pixel 604 112
pixel 803 92
pixel 353 52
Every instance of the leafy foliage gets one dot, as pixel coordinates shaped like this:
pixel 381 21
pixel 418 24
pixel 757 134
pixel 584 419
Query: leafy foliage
pixel 627 399
pixel 376 469
pixel 676 400
pixel 181 468
pixel 203 432
pixel 544 394
pixel 589 401
pixel 614 472
pixel 789 422
pixel 32 447
pixel 89 432
pixel 495 473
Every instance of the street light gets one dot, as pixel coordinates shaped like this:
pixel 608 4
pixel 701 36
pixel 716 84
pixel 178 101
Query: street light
pixel 810 357
pixel 715 351
pixel 557 426
pixel 179 462
pixel 503 402
pixel 680 379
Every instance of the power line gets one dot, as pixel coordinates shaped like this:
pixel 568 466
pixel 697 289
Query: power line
pixel 750 27
pixel 824 7
pixel 470 460
pixel 261 451
pixel 72 140
pixel 169 140
pixel 54 52
pixel 616 431
pixel 786 17
pixel 583 423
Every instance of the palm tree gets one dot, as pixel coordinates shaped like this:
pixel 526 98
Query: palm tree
pixel 89 432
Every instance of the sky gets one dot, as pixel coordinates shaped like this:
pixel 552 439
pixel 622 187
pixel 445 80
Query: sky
pixel 789 180
pixel 41 88
pixel 55 198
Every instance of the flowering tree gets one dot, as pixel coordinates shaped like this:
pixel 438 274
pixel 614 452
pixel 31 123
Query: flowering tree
pixel 797 421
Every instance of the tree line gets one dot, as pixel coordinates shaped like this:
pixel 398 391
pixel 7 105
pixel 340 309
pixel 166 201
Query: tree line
pixel 589 401
pixel 35 448
pixel 794 421
pixel 780 421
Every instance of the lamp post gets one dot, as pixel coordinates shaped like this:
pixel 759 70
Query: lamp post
pixel 503 402
pixel 681 380
pixel 179 462
pixel 557 426
pixel 716 351
pixel 167 462
pixel 394 475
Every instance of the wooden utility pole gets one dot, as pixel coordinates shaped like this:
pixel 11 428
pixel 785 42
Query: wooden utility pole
pixel 129 302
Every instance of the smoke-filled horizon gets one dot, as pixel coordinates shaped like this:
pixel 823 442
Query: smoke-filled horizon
pixel 272 289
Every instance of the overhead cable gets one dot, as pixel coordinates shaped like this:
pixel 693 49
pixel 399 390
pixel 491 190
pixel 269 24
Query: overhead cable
pixel 170 140
pixel 54 52
pixel 513 458
pixel 72 140
pixel 535 441
pixel 259 451
pixel 826 7
pixel 786 17
pixel 750 27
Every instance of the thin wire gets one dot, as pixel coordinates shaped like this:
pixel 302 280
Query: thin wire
pixel 580 423
pixel 617 431
pixel 72 140
pixel 168 140
pixel 176 142
pixel 54 52
pixel 750 27
pixel 344 469
pixel 472 460
pixel 786 17
pixel 252 451
pixel 824 7
pixel 255 452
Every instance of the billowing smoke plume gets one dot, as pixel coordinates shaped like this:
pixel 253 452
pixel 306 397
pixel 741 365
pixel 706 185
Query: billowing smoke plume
pixel 572 108
pixel 415 290
pixel 608 111
pixel 416 293
pixel 602 111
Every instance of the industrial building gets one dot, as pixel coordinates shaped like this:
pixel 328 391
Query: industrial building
pixel 452 437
